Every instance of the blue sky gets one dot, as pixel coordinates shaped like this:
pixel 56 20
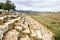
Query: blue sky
pixel 37 5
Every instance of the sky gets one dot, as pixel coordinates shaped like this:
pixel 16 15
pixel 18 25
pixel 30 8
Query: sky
pixel 37 5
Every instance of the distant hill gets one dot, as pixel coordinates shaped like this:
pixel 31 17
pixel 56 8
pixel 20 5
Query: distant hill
pixel 28 11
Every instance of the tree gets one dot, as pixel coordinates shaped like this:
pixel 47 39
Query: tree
pixel 2 5
pixel 13 6
pixel 9 5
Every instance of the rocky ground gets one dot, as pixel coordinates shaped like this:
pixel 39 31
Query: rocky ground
pixel 21 27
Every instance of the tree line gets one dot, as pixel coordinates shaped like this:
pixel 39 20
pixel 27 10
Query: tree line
pixel 7 5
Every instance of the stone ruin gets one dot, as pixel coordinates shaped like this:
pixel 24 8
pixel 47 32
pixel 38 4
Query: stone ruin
pixel 22 27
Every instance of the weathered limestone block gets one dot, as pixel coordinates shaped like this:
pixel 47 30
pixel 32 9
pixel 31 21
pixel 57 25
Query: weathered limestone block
pixel 22 18
pixel 33 34
pixel 2 19
pixel 18 27
pixel 39 35
pixel 1 22
pixel 5 19
pixel 25 38
pixel 26 31
pixel 32 27
pixel 1 35
pixel 26 23
pixel 3 14
pixel 4 29
pixel 15 16
pixel 18 22
pixel 0 15
pixel 11 35
pixel 36 26
pixel 47 35
pixel 24 26
pixel 10 26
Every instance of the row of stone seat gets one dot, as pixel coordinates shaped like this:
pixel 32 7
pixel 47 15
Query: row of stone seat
pixel 8 25
pixel 13 32
pixel 26 28
pixel 6 18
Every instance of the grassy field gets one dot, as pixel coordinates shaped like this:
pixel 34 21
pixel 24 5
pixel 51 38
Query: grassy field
pixel 50 20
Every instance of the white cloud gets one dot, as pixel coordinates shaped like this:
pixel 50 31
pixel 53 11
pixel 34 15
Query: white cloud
pixel 2 0
pixel 39 5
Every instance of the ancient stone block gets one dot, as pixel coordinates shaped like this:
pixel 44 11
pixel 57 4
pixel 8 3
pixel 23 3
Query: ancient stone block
pixel 33 34
pixel 1 35
pixel 25 38
pixel 26 31
pixel 1 22
pixel 18 27
pixel 38 33
pixel 10 26
pixel 11 35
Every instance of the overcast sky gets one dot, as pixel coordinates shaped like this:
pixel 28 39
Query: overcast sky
pixel 37 5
